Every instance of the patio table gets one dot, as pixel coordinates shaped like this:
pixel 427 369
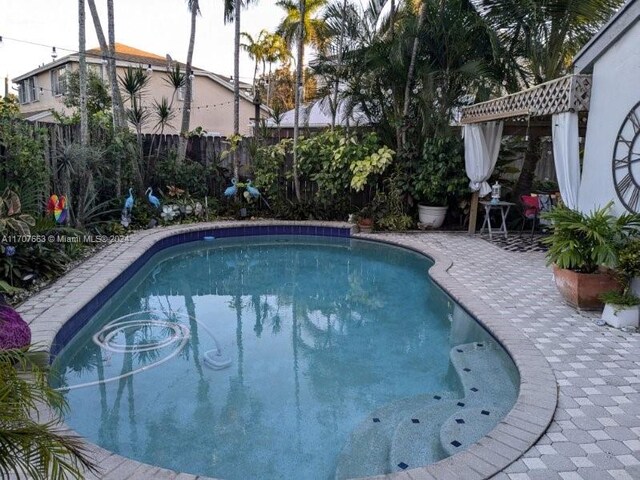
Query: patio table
pixel 504 211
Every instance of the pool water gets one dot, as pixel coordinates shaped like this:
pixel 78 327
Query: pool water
pixel 265 357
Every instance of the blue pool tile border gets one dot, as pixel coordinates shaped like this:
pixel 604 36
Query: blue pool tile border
pixel 80 319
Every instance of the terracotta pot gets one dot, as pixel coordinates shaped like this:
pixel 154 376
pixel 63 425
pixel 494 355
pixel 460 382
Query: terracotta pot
pixel 581 290
pixel 365 225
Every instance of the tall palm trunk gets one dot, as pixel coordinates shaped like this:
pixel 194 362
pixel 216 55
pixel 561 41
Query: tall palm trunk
pixel 84 119
pixel 298 98
pixel 108 53
pixel 120 120
pixel 118 106
pixel 186 106
pixel 336 83
pixel 422 14
pixel 237 4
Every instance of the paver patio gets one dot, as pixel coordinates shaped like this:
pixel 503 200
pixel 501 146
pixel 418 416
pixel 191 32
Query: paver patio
pixel 595 433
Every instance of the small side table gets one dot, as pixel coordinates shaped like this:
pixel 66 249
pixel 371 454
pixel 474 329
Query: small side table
pixel 504 211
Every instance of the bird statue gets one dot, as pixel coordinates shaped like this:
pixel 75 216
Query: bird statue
pixel 231 191
pixel 125 218
pixel 58 206
pixel 253 191
pixel 153 200
pixel 128 203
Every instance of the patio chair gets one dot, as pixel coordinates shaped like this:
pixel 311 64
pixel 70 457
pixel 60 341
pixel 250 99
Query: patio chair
pixel 530 211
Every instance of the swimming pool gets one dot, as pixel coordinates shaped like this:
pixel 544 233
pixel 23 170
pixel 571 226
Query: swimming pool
pixel 325 360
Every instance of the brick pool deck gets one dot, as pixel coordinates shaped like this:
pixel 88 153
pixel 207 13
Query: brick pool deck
pixel 595 431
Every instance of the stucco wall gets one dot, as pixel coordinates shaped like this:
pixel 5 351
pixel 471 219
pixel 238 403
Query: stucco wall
pixel 215 102
pixel 616 89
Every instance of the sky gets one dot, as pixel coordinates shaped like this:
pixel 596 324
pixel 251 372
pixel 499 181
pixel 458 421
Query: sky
pixel 157 26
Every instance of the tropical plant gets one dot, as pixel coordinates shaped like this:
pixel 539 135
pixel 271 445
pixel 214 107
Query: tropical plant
pixel 620 299
pixel 22 147
pixel 135 81
pixel 439 176
pixel 390 205
pixel 11 218
pixel 30 448
pixel 586 241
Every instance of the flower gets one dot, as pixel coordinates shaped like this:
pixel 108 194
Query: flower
pixel 9 250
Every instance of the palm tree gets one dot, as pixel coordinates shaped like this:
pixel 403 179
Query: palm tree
pixel 275 50
pixel 82 40
pixel 108 53
pixel 302 26
pixel 232 12
pixel 256 50
pixel 28 448
pixel 134 82
pixel 314 26
pixel 194 8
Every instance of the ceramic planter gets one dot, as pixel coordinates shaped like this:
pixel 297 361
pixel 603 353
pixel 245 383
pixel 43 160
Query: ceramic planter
pixel 432 217
pixel 618 316
pixel 581 290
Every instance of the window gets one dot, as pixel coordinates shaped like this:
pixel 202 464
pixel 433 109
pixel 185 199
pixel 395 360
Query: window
pixel 28 90
pixel 59 81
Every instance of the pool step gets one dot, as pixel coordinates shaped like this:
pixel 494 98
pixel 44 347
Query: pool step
pixel 465 427
pixel 366 452
pixel 416 440
pixel 433 433
pixel 475 364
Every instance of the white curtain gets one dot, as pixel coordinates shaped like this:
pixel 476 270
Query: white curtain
pixel 481 148
pixel 566 155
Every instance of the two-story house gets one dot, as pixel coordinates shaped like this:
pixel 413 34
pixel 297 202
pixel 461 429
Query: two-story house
pixel 43 89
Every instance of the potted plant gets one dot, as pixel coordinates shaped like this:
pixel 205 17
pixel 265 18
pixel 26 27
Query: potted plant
pixel 629 263
pixel 439 179
pixel 365 219
pixel 621 309
pixel 583 249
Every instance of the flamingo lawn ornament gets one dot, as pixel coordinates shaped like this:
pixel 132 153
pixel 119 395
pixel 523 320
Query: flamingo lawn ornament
pixel 58 206
pixel 253 191
pixel 232 190
pixel 153 200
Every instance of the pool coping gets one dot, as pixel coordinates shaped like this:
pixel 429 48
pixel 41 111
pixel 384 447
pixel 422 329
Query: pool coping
pixel 518 431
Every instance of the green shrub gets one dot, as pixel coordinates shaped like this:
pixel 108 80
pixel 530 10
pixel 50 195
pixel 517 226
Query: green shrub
pixel 440 175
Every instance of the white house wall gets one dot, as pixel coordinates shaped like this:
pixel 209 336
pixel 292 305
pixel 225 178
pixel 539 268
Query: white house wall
pixel 615 91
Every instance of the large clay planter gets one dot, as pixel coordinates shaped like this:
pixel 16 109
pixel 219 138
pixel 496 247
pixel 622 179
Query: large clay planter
pixel 581 290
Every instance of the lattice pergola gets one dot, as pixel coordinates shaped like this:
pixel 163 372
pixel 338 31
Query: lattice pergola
pixel 567 94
